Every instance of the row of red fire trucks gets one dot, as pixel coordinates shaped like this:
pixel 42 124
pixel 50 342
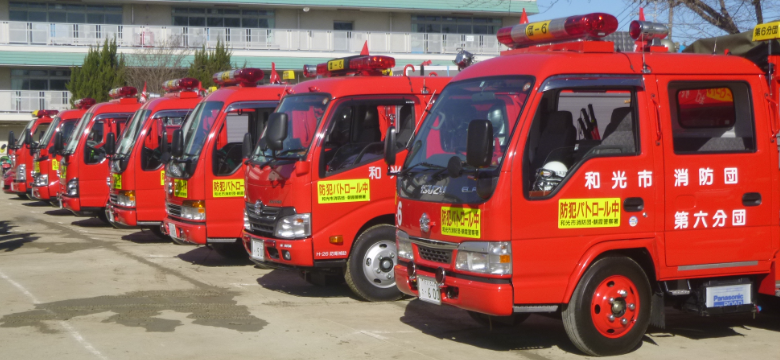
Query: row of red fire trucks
pixel 561 177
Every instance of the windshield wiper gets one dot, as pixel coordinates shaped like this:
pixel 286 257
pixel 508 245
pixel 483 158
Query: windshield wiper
pixel 428 165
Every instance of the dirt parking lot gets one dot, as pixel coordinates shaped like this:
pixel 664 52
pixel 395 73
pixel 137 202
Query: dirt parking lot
pixel 75 288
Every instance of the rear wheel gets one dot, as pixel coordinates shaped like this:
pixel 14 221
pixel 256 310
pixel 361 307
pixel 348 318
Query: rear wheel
pixel 233 250
pixel 498 321
pixel 370 266
pixel 609 310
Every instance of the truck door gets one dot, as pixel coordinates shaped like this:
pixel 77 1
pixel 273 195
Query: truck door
pixel 586 176
pixel 716 173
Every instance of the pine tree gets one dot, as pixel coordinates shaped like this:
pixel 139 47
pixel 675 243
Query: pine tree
pixel 206 63
pixel 101 71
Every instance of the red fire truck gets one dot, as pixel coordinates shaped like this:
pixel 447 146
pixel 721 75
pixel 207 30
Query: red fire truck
pixel 137 196
pixel 25 151
pixel 204 180
pixel 84 168
pixel 563 176
pixel 46 165
pixel 318 199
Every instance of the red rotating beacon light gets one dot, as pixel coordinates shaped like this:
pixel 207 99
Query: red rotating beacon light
pixel 590 26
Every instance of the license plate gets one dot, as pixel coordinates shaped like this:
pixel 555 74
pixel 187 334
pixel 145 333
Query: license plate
pixel 429 290
pixel 172 230
pixel 258 250
pixel 719 296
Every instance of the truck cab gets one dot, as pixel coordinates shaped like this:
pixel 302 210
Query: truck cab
pixel 137 197
pixel 319 200
pixel 84 170
pixel 564 177
pixel 46 166
pixel 204 181
pixel 25 151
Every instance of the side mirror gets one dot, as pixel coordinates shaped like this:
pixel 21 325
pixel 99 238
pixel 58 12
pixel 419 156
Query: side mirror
pixel 246 147
pixel 165 149
pixel 28 139
pixel 110 145
pixel 479 149
pixel 177 144
pixel 276 131
pixel 58 143
pixel 11 139
pixel 390 149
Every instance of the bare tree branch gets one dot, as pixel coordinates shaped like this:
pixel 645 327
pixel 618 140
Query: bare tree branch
pixel 154 65
pixel 759 11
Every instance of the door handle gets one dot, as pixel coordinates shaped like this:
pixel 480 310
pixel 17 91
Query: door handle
pixel 633 204
pixel 751 199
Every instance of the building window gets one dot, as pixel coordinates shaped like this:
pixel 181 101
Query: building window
pixel 343 25
pixel 64 13
pixel 455 25
pixel 37 79
pixel 231 18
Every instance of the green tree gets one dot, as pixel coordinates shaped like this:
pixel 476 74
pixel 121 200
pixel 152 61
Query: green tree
pixel 103 69
pixel 206 63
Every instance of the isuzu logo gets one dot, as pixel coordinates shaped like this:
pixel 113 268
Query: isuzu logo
pixel 259 207
pixel 425 223
pixel 433 189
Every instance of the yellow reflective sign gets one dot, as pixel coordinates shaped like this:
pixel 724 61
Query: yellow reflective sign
pixel 588 213
pixel 64 172
pixel 117 181
pixel 55 165
pixel 162 178
pixel 179 187
pixel 342 191
pixel 766 31
pixel 228 188
pixel 538 30
pixel 461 222
pixel 335 65
pixel 37 166
pixel 288 75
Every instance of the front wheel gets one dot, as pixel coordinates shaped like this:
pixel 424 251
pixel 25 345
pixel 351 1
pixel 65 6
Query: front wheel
pixel 609 310
pixel 233 250
pixel 370 266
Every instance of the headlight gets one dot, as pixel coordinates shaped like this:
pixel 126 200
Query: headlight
pixel 126 198
pixel 21 172
pixel 194 210
pixel 41 180
pixel 404 245
pixel 294 226
pixel 485 257
pixel 247 225
pixel 72 188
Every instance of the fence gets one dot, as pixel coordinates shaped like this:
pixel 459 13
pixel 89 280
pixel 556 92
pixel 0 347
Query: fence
pixel 18 101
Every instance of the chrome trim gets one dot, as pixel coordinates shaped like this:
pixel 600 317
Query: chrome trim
pixel 717 266
pixel 149 223
pixel 535 308
pixel 436 244
pixel 220 240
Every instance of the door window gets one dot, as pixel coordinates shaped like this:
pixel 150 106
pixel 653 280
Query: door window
pixel 151 152
pixel 228 155
pixel 572 126
pixel 94 152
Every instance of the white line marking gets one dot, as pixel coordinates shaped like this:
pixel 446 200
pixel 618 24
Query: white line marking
pixel 75 334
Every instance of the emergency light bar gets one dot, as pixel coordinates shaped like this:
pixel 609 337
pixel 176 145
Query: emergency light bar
pixel 579 27
pixel 123 92
pixel 184 84
pixel 647 30
pixel 248 77
pixel 360 64
pixel 84 103
pixel 41 113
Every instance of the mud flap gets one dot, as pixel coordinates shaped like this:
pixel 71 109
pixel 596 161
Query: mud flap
pixel 657 314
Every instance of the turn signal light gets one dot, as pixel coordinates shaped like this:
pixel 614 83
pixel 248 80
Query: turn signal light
pixel 84 104
pixel 41 113
pixel 123 92
pixel 184 84
pixel 337 239
pixel 248 77
pixel 590 26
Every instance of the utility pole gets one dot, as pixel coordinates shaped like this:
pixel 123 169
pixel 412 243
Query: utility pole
pixel 671 17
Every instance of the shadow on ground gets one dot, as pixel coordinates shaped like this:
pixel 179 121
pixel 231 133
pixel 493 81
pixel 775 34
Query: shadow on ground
pixel 37 204
pixel 290 282
pixel 145 236
pixel 205 256
pixel 92 222
pixel 10 240
pixel 59 212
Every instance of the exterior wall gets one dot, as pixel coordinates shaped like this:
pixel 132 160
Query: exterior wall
pixel 147 14
pixel 16 125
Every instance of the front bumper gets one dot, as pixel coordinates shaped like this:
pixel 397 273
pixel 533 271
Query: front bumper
pixel 189 232
pixel 472 294
pixel 123 216
pixel 19 187
pixel 300 252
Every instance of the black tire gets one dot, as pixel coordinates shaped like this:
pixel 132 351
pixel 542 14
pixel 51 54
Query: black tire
pixel 579 322
pixel 158 232
pixel 498 321
pixel 357 280
pixel 230 250
pixel 22 196
pixel 103 217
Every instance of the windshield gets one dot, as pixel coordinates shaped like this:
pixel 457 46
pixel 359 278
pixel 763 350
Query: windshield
pixel 73 140
pixel 304 113
pixel 23 135
pixel 443 135
pixel 198 126
pixel 130 134
pixel 49 132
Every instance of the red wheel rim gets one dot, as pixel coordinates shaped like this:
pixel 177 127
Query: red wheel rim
pixel 615 306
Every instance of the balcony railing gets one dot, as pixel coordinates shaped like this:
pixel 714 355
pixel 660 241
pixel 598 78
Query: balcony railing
pixel 63 34
pixel 20 101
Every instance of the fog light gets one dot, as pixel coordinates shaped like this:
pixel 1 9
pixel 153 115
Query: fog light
pixel 286 255
pixel 412 270
pixel 440 277
pixel 337 239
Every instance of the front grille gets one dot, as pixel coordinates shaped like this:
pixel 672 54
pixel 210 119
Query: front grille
pixel 263 223
pixel 173 209
pixel 435 255
pixel 112 198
